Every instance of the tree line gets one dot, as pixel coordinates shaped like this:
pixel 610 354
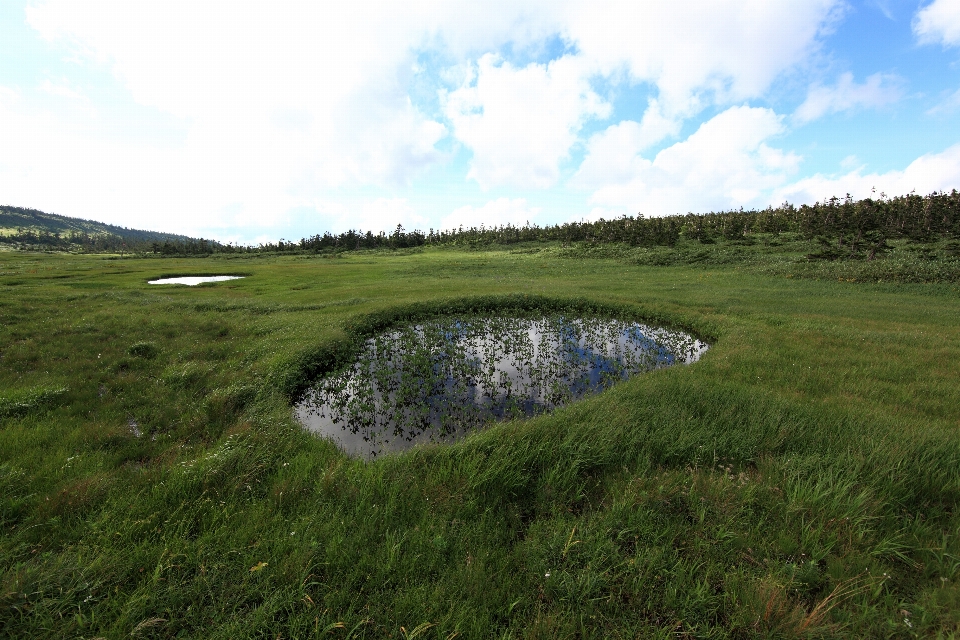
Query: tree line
pixel 843 226
pixel 847 223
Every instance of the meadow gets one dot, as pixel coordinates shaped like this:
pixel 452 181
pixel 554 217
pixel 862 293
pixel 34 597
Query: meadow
pixel 801 480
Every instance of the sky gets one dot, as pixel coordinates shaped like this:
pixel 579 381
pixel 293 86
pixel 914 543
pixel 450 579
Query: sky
pixel 252 121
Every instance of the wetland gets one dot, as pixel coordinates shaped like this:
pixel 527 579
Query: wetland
pixel 801 479
pixel 438 381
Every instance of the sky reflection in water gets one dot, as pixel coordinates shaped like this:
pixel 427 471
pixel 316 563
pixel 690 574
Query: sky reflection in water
pixel 192 281
pixel 434 382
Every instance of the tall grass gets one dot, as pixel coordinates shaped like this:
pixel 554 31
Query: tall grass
pixel 801 480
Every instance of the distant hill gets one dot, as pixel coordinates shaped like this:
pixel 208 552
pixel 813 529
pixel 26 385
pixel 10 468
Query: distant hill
pixel 32 219
pixel 32 229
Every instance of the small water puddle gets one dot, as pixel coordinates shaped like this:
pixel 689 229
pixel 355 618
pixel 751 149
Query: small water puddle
pixel 192 281
pixel 435 382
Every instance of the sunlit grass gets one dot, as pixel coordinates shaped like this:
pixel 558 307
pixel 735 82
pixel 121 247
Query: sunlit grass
pixel 802 479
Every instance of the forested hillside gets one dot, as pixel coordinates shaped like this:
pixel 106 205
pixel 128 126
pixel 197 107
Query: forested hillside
pixel 32 229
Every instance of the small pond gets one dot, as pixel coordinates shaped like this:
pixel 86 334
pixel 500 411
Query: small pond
pixel 436 381
pixel 192 281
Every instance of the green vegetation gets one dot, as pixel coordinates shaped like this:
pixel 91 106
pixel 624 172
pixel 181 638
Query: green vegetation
pixel 801 480
pixel 836 229
pixel 29 229
pixel 844 228
pixel 437 379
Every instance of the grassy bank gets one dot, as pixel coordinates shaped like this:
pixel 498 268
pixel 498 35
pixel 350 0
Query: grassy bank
pixel 801 480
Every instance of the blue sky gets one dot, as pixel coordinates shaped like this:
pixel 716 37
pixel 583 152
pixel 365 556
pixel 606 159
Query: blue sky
pixel 252 121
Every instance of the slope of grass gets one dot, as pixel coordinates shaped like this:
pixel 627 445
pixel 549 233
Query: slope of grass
pixel 801 480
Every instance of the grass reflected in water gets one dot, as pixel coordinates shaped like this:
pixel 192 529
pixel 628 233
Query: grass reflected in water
pixel 437 381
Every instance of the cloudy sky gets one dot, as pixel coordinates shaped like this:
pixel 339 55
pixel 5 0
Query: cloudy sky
pixel 247 121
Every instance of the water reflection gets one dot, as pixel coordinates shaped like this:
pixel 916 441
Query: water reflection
pixel 192 281
pixel 434 382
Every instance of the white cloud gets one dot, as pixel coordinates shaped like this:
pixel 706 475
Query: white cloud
pixel 938 23
pixel 234 70
pixel 273 107
pixel 345 67
pixel 878 90
pixel 278 103
pixel 950 104
pixel 379 214
pixel 726 163
pixel 62 90
pixel 928 173
pixel 63 163
pixel 850 162
pixel 521 122
pixel 612 153
pixel 883 7
pixel 612 156
pixel 495 213
pixel 733 49
pixel 729 51
pixel 656 126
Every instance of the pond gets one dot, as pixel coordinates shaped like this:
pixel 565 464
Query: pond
pixel 192 281
pixel 437 381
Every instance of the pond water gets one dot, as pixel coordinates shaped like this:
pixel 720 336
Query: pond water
pixel 191 281
pixel 436 381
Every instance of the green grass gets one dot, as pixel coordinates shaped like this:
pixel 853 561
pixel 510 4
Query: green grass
pixel 801 480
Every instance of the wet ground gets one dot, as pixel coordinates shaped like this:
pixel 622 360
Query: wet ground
pixel 435 382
